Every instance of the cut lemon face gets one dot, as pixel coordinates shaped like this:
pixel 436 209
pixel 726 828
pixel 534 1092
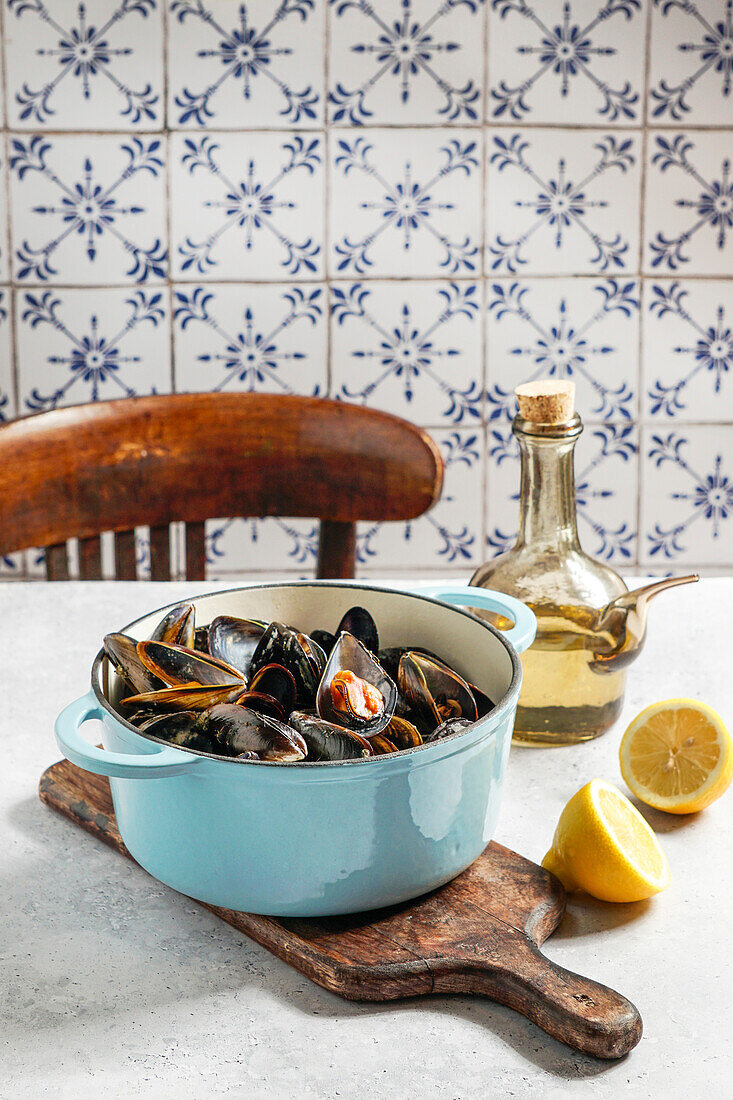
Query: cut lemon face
pixel 677 756
pixel 604 846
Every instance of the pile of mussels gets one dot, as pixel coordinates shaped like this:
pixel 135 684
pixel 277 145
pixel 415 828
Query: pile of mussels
pixel 257 691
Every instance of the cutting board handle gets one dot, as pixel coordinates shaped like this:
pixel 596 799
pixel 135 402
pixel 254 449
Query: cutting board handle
pixel 578 1011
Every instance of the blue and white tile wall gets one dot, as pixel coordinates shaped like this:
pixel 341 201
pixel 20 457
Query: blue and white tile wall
pixel 409 204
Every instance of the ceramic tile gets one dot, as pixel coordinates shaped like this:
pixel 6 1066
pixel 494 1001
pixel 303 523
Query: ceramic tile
pixel 584 329
pixel 689 203
pixel 96 65
pixel 606 480
pixel 406 62
pixel 272 545
pixel 413 349
pixel 271 339
pixel 7 399
pixel 687 362
pixel 79 345
pixel 247 205
pixel 691 62
pixel 562 202
pixel 449 535
pixel 567 61
pixel 687 495
pixel 405 203
pixel 88 210
pixel 4 219
pixel 256 64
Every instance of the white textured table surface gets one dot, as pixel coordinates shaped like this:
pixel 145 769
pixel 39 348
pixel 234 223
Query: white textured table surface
pixel 113 985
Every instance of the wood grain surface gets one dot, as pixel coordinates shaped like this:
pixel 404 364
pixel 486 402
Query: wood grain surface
pixel 478 934
pixel 186 458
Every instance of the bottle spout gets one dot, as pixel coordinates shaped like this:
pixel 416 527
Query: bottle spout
pixel 620 629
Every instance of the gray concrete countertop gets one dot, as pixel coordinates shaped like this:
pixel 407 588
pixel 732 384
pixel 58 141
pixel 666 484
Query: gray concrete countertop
pixel 113 985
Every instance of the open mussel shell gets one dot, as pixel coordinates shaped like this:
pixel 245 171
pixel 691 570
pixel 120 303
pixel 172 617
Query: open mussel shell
pixel 177 665
pixel 263 704
pixel 327 741
pixel 434 691
pixel 238 730
pixel 382 744
pixel 358 622
pixel 278 683
pixel 445 729
pixel 183 697
pixel 235 640
pixel 323 638
pixel 296 652
pixel 178 626
pixel 349 655
pixel 402 733
pixel 389 658
pixel 123 656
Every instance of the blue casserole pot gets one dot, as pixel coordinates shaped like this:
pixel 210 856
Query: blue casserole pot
pixel 303 840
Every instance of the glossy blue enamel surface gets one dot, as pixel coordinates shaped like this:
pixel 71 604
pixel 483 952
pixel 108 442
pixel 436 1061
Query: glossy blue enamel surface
pixel 308 840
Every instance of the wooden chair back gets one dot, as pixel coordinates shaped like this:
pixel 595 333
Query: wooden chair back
pixel 186 458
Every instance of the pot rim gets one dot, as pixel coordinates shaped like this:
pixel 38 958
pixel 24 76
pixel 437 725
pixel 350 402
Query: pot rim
pixel 485 726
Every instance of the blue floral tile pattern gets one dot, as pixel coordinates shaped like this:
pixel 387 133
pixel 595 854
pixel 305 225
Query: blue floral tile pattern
pixel 687 495
pixel 247 206
pixel 406 62
pixel 689 204
pixel 586 330
pixel 560 61
pixel 691 77
pixel 406 203
pixel 241 545
pixel 606 478
pixel 7 400
pixel 255 64
pixel 84 64
pixel 88 210
pixel 687 363
pixel 268 339
pixel 449 535
pixel 4 220
pixel 91 345
pixel 569 208
pixel 411 350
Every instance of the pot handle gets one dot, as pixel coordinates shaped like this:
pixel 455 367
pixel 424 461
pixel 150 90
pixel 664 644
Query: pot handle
pixel 521 635
pixel 165 761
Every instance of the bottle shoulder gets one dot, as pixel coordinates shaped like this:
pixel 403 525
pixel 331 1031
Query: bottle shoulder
pixel 551 578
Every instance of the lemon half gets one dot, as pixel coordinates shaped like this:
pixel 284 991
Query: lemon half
pixel 677 756
pixel 604 846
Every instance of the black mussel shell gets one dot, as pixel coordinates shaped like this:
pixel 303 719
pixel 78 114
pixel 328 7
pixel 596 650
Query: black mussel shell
pixel 445 729
pixel 178 626
pixel 350 655
pixel 323 638
pixel 389 658
pixel 181 729
pixel 184 697
pixel 327 741
pixel 276 681
pixel 434 690
pixel 201 639
pixel 314 652
pixel 382 744
pixel 359 622
pixel 483 703
pixel 123 656
pixel 237 730
pixel 177 665
pixel 403 734
pixel 282 646
pixel 235 640
pixel 263 704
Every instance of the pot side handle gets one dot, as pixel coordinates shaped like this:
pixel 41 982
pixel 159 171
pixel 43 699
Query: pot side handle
pixel 121 765
pixel 521 635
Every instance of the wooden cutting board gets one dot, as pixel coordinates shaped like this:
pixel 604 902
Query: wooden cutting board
pixel 479 934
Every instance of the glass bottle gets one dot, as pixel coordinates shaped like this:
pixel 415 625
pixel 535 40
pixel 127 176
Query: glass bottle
pixel 564 698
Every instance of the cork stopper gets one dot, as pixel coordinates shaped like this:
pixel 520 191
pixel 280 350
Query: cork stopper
pixel 546 401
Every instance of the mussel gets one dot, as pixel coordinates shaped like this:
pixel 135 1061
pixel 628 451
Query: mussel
pixel 178 626
pixel 123 656
pixel 235 640
pixel 302 657
pixel 358 622
pixel 445 729
pixel 327 741
pixel 433 690
pixel 181 729
pixel 177 665
pixel 238 730
pixel 355 691
pixel 402 733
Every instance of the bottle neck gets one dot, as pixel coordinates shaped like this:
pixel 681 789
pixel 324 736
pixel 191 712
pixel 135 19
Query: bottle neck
pixel 547 515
